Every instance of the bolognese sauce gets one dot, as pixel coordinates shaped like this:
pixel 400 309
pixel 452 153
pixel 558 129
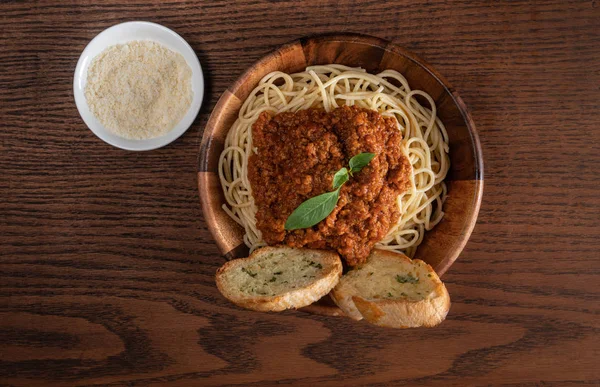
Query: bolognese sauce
pixel 297 155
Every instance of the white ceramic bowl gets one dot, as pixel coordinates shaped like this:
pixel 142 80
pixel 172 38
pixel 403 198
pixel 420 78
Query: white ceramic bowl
pixel 123 33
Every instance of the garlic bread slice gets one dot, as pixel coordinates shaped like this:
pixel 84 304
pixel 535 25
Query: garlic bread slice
pixel 278 278
pixel 394 291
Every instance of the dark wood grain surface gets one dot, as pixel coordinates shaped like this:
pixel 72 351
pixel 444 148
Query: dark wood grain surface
pixel 106 264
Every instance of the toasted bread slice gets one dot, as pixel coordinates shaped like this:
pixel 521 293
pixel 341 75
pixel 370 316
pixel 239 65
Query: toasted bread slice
pixel 392 290
pixel 277 278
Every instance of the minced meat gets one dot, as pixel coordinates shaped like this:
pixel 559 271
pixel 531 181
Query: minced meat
pixel 297 156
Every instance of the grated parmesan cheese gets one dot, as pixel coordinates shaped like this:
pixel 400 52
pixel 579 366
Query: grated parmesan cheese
pixel 139 90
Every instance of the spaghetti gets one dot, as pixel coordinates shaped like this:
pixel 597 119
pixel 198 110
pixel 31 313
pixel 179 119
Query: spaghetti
pixel 425 142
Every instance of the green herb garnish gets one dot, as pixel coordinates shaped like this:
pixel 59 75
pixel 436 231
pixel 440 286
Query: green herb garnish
pixel 314 264
pixel 251 274
pixel 273 279
pixel 340 178
pixel 403 279
pixel 278 272
pixel 360 161
pixel 314 210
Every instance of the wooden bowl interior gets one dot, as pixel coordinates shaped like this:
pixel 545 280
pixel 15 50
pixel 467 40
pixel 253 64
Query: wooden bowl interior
pixel 443 244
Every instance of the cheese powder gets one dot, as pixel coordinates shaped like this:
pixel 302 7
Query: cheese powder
pixel 139 90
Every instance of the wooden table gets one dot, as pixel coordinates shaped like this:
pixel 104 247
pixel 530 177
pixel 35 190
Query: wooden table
pixel 107 265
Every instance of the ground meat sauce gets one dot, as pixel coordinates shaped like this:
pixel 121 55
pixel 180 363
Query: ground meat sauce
pixel 297 156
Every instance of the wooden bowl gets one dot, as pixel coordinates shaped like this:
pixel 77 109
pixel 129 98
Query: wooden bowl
pixel 443 244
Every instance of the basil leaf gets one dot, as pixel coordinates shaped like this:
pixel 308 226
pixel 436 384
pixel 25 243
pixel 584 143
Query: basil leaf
pixel 312 211
pixel 403 279
pixel 360 161
pixel 340 178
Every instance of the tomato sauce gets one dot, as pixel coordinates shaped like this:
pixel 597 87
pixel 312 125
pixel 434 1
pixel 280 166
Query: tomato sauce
pixel 297 156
